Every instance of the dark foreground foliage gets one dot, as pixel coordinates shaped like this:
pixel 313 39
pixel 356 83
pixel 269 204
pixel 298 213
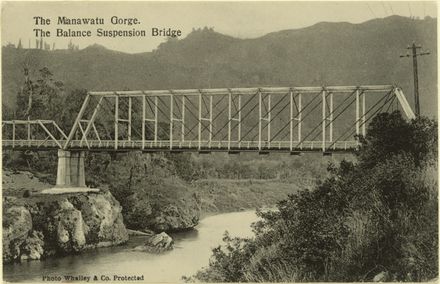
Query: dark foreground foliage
pixel 378 215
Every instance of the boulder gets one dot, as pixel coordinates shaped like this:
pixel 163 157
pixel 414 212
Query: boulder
pixel 162 240
pixel 157 243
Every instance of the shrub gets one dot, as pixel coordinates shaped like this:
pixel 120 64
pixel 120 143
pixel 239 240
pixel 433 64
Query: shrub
pixel 376 215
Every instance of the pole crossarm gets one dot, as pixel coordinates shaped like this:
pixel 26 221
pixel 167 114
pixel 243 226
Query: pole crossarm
pixel 264 119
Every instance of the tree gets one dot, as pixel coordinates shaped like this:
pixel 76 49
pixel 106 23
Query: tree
pixel 40 98
pixel 389 134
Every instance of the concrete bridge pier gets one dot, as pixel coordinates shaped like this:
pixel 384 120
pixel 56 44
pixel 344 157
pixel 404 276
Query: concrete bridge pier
pixel 70 173
pixel 63 171
pixel 77 176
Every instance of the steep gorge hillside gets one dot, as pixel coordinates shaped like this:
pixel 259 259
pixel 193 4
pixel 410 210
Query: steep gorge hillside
pixel 325 53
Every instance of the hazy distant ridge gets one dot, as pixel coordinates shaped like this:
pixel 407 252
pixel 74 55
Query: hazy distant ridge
pixel 325 53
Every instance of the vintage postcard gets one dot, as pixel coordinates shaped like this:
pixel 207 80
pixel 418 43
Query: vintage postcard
pixel 168 142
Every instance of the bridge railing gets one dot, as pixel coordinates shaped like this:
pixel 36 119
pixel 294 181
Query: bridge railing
pixel 184 145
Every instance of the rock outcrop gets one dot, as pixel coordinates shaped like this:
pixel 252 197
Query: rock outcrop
pixel 173 209
pixel 17 224
pixel 40 226
pixel 157 243
pixel 173 218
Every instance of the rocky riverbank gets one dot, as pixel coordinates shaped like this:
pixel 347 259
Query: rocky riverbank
pixel 36 226
pixel 44 225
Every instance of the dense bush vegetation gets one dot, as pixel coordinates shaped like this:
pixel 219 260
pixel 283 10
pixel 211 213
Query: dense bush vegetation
pixel 378 215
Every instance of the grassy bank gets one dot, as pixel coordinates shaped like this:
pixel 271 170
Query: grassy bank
pixel 225 195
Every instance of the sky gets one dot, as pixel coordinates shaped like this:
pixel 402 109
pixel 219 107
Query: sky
pixel 244 19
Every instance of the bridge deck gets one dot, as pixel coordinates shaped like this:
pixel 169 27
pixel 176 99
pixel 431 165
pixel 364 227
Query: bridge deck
pixel 186 146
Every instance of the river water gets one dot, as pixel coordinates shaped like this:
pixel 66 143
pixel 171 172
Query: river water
pixel 191 252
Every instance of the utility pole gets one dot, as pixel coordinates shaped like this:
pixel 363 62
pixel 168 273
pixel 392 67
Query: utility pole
pixel 414 55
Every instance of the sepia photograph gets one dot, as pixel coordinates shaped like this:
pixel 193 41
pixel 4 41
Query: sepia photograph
pixel 199 141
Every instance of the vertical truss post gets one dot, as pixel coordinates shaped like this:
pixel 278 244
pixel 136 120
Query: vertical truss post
pixel 200 121
pixel 156 107
pixel 183 118
pixel 229 118
pixel 291 120
pixel 239 121
pixel 357 112
pixel 116 120
pixel 210 120
pixel 143 120
pixel 259 120
pixel 299 117
pixel 268 119
pixel 171 120
pixel 129 118
pixel 323 119
pixel 331 118
pixel 363 115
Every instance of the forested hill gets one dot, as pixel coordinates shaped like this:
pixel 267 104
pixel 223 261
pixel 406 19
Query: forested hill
pixel 325 53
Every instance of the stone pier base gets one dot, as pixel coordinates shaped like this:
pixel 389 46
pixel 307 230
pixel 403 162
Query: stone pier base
pixel 70 173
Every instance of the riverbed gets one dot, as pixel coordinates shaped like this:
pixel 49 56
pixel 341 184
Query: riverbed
pixel 192 251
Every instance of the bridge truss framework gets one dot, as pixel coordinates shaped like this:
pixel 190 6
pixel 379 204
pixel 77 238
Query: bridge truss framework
pixel 286 119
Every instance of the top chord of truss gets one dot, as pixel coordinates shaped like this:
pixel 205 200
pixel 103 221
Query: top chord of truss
pixel 223 91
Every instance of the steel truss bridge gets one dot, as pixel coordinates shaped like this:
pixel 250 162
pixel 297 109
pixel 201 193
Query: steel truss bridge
pixel 273 119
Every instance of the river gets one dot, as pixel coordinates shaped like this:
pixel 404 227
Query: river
pixel 192 250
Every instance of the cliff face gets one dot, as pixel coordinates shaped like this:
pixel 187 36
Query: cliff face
pixel 42 225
